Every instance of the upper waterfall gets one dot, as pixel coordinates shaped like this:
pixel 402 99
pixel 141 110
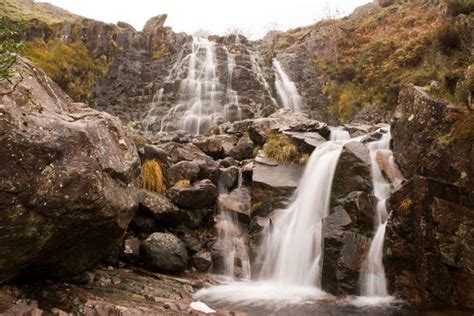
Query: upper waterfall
pixel 287 93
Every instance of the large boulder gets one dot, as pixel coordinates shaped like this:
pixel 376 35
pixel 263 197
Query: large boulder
pixel 349 225
pixel 201 194
pixel 164 253
pixel 429 252
pixel 68 178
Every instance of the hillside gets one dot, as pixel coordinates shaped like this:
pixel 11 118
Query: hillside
pixel 28 9
pixel 366 58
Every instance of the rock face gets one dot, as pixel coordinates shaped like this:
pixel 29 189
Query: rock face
pixel 349 224
pixel 425 140
pixel 164 252
pixel 429 244
pixel 429 254
pixel 68 177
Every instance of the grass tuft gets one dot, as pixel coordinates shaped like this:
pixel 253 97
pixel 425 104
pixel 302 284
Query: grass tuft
pixel 152 177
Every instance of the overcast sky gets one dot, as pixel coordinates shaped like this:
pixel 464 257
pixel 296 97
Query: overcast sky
pixel 252 16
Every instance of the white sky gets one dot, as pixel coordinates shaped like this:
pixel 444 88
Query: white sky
pixel 252 16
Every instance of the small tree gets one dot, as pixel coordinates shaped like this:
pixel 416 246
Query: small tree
pixel 10 46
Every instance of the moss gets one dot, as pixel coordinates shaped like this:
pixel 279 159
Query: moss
pixel 69 65
pixel 405 205
pixel 464 128
pixel 182 183
pixel 152 177
pixel 139 141
pixel 255 151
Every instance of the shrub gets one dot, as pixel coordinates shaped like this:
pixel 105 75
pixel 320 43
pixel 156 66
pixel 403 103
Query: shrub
pixel 10 46
pixel 456 7
pixel 448 38
pixel 152 177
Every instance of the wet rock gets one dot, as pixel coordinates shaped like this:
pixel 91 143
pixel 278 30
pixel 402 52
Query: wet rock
pixel 345 250
pixel 200 194
pixel 68 178
pixel 160 209
pixel 202 261
pixel 237 202
pixel 273 185
pixel 352 171
pixel 131 249
pixel 229 177
pixel 349 225
pixel 184 170
pixel 164 252
pixel 306 141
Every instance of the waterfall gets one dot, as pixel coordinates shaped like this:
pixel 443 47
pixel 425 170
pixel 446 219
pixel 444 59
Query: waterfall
pixel 293 244
pixel 293 247
pixel 286 89
pixel 231 240
pixel 197 107
pixel 254 59
pixel 373 280
pixel 232 110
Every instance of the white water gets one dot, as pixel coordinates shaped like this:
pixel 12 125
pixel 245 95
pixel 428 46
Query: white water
pixel 373 280
pixel 196 108
pixel 286 89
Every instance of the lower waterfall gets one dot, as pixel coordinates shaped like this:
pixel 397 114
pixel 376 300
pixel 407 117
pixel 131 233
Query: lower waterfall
pixel 293 242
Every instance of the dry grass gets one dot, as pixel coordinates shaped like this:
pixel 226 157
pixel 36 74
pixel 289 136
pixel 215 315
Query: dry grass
pixel 152 177
pixel 278 147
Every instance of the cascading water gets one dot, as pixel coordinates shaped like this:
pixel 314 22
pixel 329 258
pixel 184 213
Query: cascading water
pixel 286 89
pixel 196 108
pixel 292 249
pixel 373 281
pixel 293 244
pixel 232 110
pixel 231 240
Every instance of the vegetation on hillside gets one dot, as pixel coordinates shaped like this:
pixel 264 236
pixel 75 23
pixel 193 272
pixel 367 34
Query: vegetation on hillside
pixel 68 64
pixel 10 46
pixel 28 9
pixel 366 58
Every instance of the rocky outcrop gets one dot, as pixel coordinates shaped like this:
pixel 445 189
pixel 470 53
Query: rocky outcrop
pixel 432 138
pixel 164 252
pixel 429 256
pixel 429 244
pixel 68 177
